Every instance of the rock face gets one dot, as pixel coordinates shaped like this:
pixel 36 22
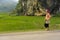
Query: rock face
pixel 32 7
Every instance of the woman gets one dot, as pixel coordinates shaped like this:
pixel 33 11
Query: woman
pixel 47 19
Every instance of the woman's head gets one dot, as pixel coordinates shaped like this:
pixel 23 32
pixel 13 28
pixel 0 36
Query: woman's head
pixel 47 10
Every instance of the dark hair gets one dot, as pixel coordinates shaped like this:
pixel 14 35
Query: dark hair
pixel 48 10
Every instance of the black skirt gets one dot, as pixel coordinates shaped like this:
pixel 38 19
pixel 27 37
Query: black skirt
pixel 46 25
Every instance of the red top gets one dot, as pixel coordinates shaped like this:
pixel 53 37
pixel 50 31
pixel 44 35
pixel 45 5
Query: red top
pixel 47 15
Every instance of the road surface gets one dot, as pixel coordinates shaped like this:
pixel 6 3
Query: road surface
pixel 38 35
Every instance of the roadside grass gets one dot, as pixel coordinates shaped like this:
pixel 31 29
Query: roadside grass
pixel 14 23
pixel 55 23
pixel 26 23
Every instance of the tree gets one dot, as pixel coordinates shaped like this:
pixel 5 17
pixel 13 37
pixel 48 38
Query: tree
pixel 55 6
pixel 30 7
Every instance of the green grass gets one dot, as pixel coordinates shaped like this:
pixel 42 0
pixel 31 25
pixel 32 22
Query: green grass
pixel 26 23
pixel 14 23
pixel 55 23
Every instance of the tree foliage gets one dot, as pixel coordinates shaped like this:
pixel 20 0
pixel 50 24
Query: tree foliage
pixel 32 7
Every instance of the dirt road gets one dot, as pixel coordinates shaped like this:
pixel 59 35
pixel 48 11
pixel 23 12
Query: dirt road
pixel 37 35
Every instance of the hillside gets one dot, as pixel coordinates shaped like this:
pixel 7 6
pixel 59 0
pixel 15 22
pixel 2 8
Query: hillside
pixel 7 5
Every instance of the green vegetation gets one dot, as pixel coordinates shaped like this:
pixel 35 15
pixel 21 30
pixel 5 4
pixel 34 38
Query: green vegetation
pixel 32 19
pixel 22 23
pixel 26 23
pixel 34 7
pixel 55 23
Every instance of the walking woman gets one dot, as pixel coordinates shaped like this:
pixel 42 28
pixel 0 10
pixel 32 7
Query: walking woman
pixel 47 19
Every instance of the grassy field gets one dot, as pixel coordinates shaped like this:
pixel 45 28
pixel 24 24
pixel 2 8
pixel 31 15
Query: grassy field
pixel 26 23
